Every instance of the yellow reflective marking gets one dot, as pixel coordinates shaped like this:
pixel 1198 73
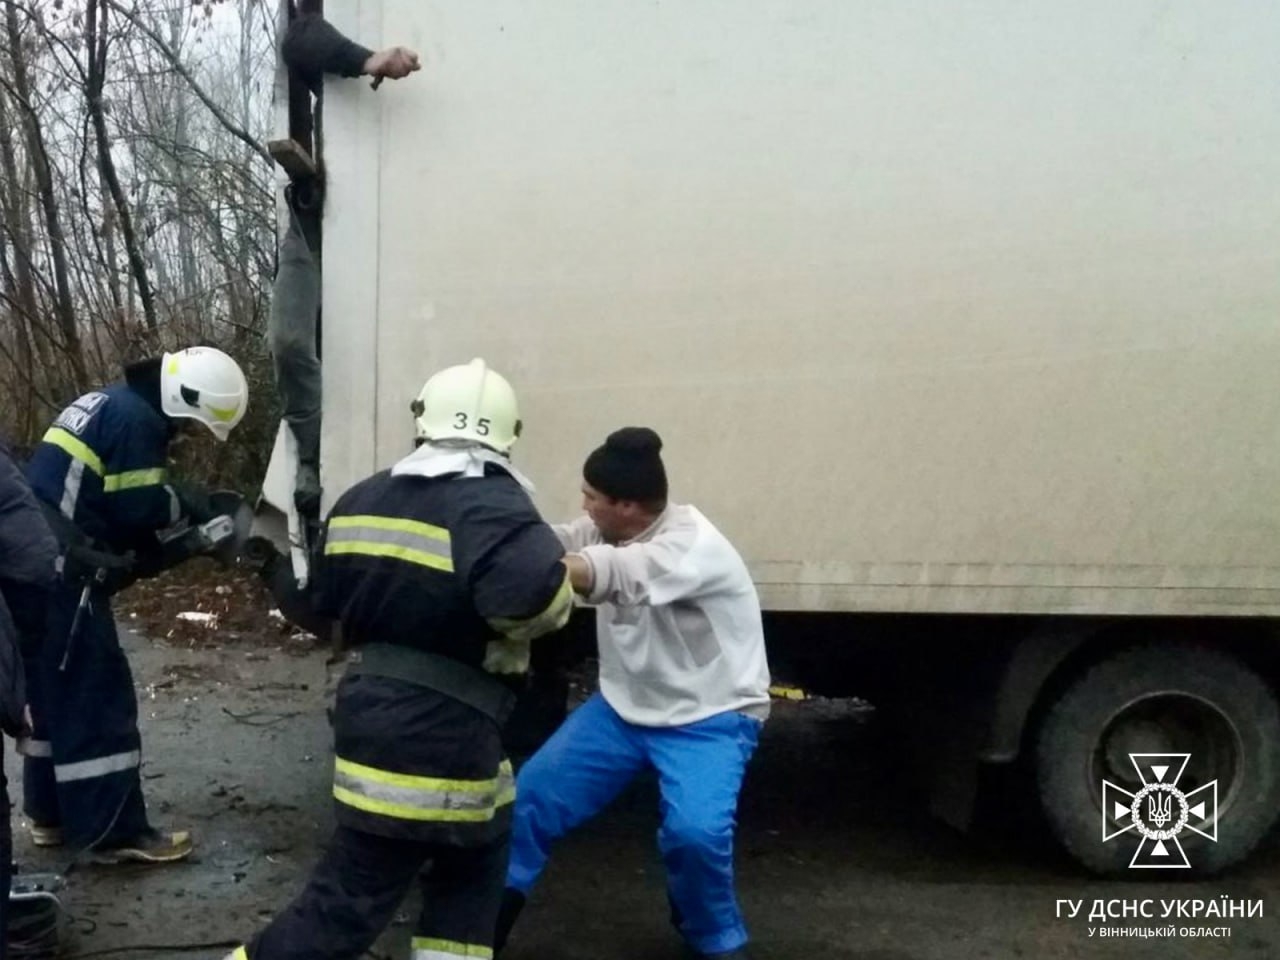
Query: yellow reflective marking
pixel 787 693
pixel 115 482
pixel 75 447
pixel 415 783
pixel 451 947
pixel 391 523
pixel 508 793
pixel 403 812
pixel 553 617
pixel 395 551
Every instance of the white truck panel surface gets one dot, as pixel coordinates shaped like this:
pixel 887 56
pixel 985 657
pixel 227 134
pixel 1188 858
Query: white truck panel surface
pixel 938 307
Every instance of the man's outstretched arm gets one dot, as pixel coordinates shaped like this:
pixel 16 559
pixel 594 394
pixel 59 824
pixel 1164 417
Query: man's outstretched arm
pixel 313 47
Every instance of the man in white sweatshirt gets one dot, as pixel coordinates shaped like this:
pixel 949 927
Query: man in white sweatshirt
pixel 684 688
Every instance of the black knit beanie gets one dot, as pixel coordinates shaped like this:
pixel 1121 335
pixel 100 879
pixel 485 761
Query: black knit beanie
pixel 628 466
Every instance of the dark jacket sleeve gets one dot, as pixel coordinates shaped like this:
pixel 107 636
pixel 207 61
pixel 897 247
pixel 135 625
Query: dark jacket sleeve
pixel 137 479
pixel 313 47
pixel 28 549
pixel 511 559
pixel 28 552
pixel 13 686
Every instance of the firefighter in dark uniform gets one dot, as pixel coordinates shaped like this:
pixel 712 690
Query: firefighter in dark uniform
pixel 28 553
pixel 100 472
pixel 440 573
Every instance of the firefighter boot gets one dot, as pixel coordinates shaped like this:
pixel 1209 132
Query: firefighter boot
pixel 152 846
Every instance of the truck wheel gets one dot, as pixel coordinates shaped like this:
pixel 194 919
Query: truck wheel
pixel 1161 699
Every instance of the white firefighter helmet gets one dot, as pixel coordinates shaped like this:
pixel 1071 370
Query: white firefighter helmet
pixel 204 384
pixel 468 402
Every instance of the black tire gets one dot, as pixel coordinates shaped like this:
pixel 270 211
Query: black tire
pixel 1156 697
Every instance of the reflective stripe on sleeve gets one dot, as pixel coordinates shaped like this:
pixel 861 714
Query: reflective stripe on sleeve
pixel 553 617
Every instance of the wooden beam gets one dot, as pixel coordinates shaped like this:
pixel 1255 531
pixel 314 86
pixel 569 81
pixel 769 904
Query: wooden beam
pixel 292 157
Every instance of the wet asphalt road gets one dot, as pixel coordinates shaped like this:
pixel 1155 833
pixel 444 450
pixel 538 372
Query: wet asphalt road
pixel 836 859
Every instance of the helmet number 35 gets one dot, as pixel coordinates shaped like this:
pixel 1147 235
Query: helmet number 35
pixel 460 423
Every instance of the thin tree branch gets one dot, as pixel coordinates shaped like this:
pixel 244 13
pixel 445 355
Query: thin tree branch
pixel 171 55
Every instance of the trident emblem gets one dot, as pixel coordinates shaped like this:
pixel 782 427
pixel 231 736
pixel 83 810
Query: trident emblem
pixel 1160 808
pixel 1166 812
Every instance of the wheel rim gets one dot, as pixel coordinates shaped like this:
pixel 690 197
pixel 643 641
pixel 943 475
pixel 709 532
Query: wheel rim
pixel 1170 722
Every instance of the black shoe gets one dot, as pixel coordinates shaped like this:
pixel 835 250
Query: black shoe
pixel 512 903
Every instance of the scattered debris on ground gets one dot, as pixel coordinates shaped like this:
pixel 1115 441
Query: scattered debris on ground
pixel 202 604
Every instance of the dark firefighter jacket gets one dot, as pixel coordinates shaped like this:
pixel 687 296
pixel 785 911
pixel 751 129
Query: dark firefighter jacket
pixel 440 567
pixel 102 465
pixel 28 552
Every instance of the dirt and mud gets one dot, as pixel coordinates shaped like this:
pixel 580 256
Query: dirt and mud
pixel 836 858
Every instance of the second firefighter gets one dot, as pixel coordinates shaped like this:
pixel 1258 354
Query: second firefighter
pixel 440 572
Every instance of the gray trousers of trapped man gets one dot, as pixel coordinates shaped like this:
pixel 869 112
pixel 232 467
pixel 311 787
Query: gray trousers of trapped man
pixel 293 332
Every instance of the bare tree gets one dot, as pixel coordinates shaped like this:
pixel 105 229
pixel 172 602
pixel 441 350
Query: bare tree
pixel 137 201
pixel 20 92
pixel 96 44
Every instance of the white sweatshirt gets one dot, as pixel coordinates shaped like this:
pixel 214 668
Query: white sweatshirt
pixel 678 620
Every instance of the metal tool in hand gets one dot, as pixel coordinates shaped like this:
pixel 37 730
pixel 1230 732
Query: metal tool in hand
pixel 220 537
pixel 177 546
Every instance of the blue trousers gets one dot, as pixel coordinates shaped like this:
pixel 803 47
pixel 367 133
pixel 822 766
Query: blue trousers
pixel 81 769
pixel 700 767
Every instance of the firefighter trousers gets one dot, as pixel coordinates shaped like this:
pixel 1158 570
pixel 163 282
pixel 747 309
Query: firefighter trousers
pixel 354 892
pixel 81 766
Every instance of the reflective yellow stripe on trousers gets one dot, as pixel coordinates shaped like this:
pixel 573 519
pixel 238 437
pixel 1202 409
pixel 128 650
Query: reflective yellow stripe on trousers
pixel 405 797
pixel 409 540
pixel 427 948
